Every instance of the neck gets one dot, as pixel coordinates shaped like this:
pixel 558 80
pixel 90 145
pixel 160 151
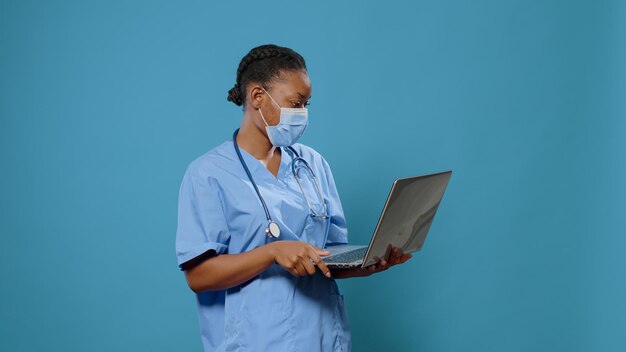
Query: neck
pixel 251 139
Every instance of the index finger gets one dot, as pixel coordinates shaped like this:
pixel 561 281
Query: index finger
pixel 320 263
pixel 319 250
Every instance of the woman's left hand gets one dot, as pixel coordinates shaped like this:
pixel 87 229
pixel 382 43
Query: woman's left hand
pixel 396 257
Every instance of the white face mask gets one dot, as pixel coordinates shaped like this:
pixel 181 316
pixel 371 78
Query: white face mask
pixel 291 126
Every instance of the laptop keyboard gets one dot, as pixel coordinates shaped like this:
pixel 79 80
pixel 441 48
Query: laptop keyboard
pixel 347 257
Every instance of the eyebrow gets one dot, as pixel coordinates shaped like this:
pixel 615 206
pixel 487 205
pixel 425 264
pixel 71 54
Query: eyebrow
pixel 303 96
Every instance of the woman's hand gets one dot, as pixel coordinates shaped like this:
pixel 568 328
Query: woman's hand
pixel 299 258
pixel 396 257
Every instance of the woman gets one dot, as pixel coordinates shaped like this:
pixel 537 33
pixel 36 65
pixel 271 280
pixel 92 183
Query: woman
pixel 254 213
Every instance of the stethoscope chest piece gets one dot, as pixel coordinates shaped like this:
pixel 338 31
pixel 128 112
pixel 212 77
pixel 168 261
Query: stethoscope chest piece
pixel 272 230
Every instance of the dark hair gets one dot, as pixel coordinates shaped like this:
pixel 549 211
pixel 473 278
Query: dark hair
pixel 262 65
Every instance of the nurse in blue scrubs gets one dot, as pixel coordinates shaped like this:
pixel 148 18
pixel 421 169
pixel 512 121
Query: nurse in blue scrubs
pixel 254 215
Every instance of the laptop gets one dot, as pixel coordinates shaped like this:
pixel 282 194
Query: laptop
pixel 404 222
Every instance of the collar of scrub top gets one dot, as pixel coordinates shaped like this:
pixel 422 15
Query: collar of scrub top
pixel 272 229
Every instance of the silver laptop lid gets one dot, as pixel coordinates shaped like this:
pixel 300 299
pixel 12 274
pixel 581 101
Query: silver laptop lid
pixel 407 215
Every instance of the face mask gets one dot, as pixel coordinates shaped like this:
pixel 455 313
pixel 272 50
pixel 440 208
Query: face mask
pixel 292 124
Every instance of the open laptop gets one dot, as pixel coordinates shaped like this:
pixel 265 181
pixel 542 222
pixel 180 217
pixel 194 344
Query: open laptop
pixel 404 222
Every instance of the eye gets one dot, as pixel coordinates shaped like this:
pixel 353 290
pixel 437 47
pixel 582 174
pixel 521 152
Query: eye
pixel 298 104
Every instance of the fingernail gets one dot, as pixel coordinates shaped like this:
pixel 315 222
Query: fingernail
pixel 328 274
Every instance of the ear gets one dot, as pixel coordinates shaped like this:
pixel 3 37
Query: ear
pixel 256 96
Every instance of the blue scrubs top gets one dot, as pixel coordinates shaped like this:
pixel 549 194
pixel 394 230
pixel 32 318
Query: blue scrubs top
pixel 218 209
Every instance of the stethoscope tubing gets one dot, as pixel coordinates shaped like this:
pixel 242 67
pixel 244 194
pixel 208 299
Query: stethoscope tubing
pixel 273 229
pixel 267 212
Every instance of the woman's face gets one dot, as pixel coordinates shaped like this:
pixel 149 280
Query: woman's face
pixel 291 90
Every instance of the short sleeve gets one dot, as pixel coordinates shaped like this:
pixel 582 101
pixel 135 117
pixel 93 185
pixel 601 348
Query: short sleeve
pixel 338 230
pixel 202 224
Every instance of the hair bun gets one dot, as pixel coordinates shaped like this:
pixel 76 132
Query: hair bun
pixel 234 95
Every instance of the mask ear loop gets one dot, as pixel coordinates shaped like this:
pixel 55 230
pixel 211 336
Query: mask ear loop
pixel 263 117
pixel 260 112
pixel 268 94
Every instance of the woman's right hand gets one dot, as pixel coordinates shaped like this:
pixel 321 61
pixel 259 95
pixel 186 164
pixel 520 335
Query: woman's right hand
pixel 299 258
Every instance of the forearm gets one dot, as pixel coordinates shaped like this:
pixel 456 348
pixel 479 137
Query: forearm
pixel 227 270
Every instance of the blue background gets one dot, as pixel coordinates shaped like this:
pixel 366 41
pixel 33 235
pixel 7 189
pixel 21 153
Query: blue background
pixel 103 105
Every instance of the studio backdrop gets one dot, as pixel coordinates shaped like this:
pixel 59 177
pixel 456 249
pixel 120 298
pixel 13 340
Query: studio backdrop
pixel 103 104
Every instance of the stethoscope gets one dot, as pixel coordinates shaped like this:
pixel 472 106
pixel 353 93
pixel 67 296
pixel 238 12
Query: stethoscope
pixel 273 230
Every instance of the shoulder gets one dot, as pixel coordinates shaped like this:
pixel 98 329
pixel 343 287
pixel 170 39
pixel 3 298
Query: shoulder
pixel 211 162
